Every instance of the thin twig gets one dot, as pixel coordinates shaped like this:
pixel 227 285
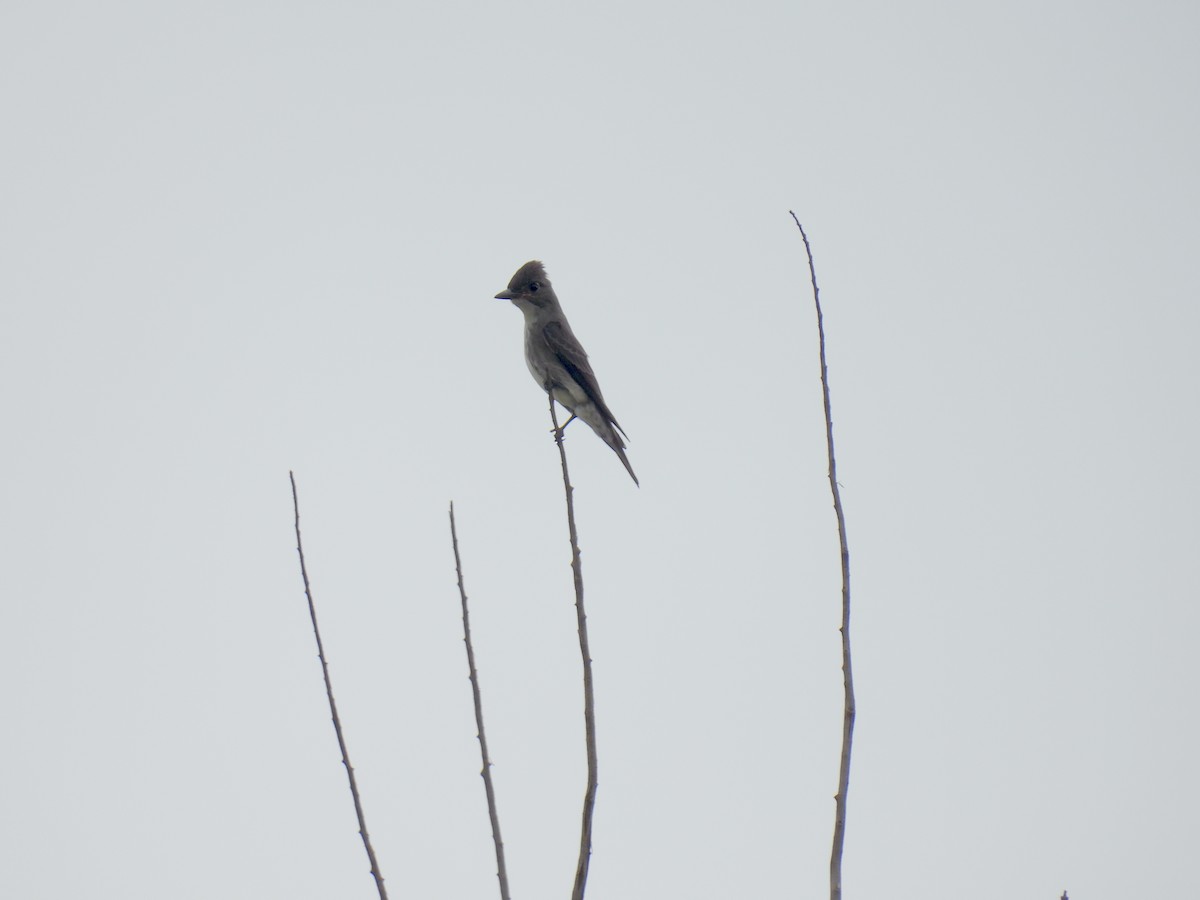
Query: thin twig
pixel 839 826
pixel 589 699
pixel 489 789
pixel 337 722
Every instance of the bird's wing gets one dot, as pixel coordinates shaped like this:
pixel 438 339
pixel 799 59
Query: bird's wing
pixel 570 353
pixel 564 345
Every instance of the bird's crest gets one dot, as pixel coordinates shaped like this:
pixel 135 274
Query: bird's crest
pixel 530 272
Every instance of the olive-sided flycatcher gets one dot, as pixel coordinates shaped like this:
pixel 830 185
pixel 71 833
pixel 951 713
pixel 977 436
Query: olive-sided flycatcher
pixel 557 360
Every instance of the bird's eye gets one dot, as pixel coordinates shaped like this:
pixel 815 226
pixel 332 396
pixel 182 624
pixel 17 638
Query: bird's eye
pixel 534 286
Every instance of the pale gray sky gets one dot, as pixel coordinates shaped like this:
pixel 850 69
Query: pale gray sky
pixel 243 237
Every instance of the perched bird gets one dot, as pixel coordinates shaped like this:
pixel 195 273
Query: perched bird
pixel 556 359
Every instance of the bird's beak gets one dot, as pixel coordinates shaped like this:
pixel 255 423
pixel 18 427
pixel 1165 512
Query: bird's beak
pixel 505 295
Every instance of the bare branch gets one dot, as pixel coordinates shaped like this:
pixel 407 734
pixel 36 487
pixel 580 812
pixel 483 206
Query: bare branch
pixel 489 789
pixel 337 722
pixel 589 700
pixel 839 826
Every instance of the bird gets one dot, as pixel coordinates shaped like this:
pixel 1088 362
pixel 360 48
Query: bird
pixel 557 360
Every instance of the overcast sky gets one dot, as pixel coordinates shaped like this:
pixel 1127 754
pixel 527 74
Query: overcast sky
pixel 243 238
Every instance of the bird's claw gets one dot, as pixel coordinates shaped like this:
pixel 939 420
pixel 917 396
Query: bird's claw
pixel 558 432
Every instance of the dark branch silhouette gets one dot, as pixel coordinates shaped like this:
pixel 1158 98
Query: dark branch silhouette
pixel 589 700
pixel 839 826
pixel 337 722
pixel 489 789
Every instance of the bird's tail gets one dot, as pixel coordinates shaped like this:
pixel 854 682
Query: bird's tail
pixel 612 437
pixel 620 451
pixel 606 428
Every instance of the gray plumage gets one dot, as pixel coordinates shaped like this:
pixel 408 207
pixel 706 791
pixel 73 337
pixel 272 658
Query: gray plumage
pixel 557 360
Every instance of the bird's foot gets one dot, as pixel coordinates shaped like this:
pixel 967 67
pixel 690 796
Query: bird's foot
pixel 558 432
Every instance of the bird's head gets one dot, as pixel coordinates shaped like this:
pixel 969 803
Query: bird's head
pixel 529 287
